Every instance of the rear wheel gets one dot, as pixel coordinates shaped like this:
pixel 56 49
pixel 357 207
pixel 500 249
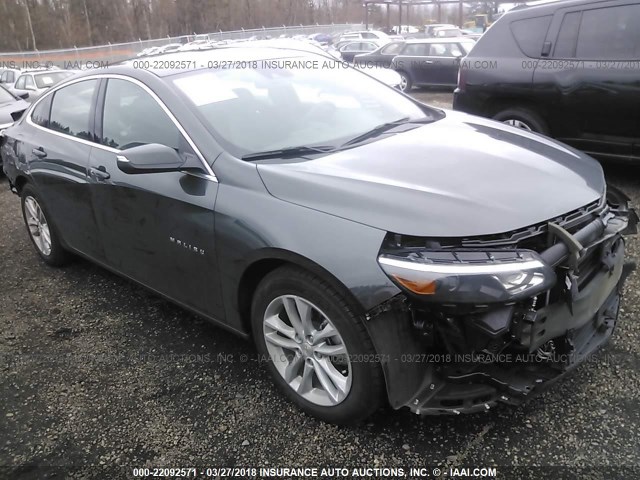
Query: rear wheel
pixel 405 81
pixel 41 231
pixel 524 119
pixel 318 351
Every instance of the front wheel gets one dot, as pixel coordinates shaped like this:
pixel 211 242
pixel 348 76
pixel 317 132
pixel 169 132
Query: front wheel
pixel 41 231
pixel 318 351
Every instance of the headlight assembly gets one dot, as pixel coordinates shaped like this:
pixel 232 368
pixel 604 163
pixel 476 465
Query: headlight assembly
pixel 469 276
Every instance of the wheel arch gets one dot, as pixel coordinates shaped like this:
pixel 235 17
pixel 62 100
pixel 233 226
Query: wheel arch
pixel 267 260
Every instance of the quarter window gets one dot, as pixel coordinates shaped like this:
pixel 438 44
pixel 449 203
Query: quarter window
pixel 71 109
pixel 610 33
pixel 393 49
pixel 40 115
pixel 132 117
pixel 530 34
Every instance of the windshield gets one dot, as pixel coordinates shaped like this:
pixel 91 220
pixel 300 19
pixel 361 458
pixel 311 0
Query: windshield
pixel 5 96
pixel 45 80
pixel 273 108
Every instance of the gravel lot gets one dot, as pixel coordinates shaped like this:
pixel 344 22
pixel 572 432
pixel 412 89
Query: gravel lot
pixel 96 371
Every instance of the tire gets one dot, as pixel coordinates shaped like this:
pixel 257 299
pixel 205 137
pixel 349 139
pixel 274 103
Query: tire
pixel 291 289
pixel 38 223
pixel 523 118
pixel 406 81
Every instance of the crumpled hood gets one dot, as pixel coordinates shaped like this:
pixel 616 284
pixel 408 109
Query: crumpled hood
pixel 460 176
pixel 6 109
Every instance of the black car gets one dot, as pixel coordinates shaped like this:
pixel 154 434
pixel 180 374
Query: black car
pixel 431 62
pixel 371 246
pixel 568 69
pixel 11 108
pixel 381 57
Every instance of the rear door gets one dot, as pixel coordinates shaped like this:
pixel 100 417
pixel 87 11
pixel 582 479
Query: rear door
pixel 441 65
pixel 592 79
pixel 57 145
pixel 413 61
pixel 158 228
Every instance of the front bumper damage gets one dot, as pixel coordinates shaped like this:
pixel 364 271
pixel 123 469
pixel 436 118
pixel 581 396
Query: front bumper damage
pixel 451 359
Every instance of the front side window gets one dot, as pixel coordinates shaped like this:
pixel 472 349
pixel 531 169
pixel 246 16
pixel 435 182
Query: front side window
pixel 417 50
pixel 132 117
pixel 610 33
pixel 71 109
pixel 277 106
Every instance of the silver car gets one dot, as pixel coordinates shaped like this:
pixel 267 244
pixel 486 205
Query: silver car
pixel 30 85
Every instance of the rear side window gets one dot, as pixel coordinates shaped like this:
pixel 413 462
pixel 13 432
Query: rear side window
pixel 28 82
pixel 530 34
pixel 71 109
pixel 393 49
pixel 132 117
pixel 610 33
pixel 568 35
pixel 20 83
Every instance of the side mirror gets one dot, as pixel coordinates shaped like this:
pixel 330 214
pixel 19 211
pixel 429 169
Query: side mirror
pixel 151 158
pixel 24 95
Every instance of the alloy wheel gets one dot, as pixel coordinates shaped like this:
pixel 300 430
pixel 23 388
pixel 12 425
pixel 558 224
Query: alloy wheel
pixel 518 124
pixel 404 81
pixel 37 225
pixel 307 350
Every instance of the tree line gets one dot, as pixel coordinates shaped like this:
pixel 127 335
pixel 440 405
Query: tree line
pixel 50 24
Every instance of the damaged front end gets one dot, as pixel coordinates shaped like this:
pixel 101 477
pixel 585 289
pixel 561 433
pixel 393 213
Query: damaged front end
pixel 496 319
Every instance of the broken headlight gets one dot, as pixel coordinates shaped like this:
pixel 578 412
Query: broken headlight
pixel 469 276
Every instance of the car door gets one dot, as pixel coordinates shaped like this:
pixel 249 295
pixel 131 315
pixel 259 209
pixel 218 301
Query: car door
pixel 19 87
pixel 413 62
pixel 592 82
pixel 57 147
pixel 350 50
pixel 386 55
pixel 441 64
pixel 157 228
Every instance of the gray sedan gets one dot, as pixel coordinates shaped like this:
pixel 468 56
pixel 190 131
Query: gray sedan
pixel 374 248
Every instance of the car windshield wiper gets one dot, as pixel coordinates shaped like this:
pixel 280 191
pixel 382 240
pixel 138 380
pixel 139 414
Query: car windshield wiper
pixel 288 152
pixel 383 128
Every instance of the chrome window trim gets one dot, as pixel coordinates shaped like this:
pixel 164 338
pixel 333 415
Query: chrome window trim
pixel 210 174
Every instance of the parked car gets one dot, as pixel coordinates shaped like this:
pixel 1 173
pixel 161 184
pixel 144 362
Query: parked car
pixel 382 56
pixel 169 48
pixel 9 76
pixel 431 61
pixel 374 35
pixel 11 109
pixel 566 69
pixel 31 84
pixel 194 45
pixel 429 30
pixel 446 32
pixel 350 230
pixel 349 50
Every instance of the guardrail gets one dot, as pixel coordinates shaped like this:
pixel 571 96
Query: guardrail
pixel 103 55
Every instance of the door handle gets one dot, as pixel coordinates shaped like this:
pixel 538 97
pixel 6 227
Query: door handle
pixel 428 62
pixel 100 173
pixel 39 152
